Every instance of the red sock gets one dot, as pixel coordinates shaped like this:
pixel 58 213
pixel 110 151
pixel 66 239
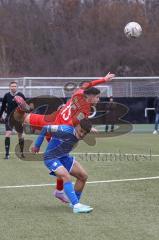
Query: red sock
pixel 59 184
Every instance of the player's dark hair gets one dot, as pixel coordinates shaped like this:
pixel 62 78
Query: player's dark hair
pixel 86 125
pixel 92 91
pixel 13 82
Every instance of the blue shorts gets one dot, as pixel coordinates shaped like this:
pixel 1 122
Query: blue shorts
pixel 53 164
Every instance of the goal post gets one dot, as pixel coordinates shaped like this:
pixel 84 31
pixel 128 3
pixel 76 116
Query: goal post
pixel 118 87
pixel 65 86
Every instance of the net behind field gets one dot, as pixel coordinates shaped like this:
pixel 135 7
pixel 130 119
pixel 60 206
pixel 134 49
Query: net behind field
pixel 135 87
pixel 65 86
pixel 119 87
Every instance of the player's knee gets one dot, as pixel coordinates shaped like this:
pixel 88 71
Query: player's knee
pixel 66 178
pixel 84 176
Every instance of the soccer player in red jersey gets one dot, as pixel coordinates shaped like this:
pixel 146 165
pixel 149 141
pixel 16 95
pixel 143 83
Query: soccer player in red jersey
pixel 77 108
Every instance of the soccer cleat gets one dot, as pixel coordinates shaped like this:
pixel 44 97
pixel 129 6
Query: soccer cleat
pixel 71 205
pixel 81 208
pixel 61 196
pixel 22 104
pixel 155 132
pixel 6 157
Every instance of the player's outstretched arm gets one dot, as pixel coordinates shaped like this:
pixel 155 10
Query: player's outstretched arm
pixel 40 138
pixel 93 83
pixel 109 77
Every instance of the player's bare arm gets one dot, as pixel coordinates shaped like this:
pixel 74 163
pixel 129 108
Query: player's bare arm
pixel 109 77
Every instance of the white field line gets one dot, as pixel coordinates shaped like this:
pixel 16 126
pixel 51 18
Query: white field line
pixel 116 153
pixel 105 153
pixel 92 182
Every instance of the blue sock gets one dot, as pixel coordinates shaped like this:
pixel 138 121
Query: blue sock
pixel 70 192
pixel 78 194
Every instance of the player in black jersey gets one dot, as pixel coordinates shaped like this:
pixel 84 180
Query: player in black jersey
pixel 8 106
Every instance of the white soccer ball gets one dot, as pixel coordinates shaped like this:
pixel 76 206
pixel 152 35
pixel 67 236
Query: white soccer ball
pixel 133 30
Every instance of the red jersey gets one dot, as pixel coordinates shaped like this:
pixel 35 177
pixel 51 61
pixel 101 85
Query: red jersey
pixel 71 113
pixel 77 107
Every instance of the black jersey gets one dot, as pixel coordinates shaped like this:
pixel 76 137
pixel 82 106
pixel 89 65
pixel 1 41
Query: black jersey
pixel 8 104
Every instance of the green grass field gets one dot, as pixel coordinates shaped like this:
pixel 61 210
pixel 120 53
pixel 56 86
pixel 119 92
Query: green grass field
pixel 123 210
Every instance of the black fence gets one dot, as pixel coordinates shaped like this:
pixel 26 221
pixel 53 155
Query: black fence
pixel 131 109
